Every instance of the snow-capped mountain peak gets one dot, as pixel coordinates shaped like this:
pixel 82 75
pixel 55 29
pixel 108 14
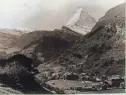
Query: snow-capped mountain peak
pixel 81 22
pixel 75 18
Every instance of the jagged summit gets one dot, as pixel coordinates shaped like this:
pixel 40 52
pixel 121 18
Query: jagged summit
pixel 75 18
pixel 81 18
pixel 81 22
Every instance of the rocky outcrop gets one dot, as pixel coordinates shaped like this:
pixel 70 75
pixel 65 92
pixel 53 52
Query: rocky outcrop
pixel 16 71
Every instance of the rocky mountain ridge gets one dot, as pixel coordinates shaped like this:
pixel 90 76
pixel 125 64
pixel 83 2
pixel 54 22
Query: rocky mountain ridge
pixel 8 36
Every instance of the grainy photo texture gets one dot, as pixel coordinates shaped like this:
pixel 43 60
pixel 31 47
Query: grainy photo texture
pixel 62 46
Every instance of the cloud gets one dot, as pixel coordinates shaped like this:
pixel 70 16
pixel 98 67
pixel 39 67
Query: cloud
pixel 48 14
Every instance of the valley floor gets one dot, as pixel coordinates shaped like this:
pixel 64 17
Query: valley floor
pixel 65 87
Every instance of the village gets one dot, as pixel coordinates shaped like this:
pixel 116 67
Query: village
pixel 73 83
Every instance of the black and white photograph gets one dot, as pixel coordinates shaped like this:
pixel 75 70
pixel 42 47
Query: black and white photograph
pixel 62 47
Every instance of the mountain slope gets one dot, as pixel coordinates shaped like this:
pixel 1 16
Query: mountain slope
pixel 17 75
pixel 102 51
pixel 45 45
pixel 81 22
pixel 8 36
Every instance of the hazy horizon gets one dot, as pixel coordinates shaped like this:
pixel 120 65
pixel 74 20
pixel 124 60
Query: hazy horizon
pixel 48 14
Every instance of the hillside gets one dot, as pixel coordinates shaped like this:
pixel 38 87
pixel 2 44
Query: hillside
pixel 45 45
pixel 8 36
pixel 100 52
pixel 17 75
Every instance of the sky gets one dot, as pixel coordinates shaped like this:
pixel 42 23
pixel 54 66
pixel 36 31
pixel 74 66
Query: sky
pixel 48 14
